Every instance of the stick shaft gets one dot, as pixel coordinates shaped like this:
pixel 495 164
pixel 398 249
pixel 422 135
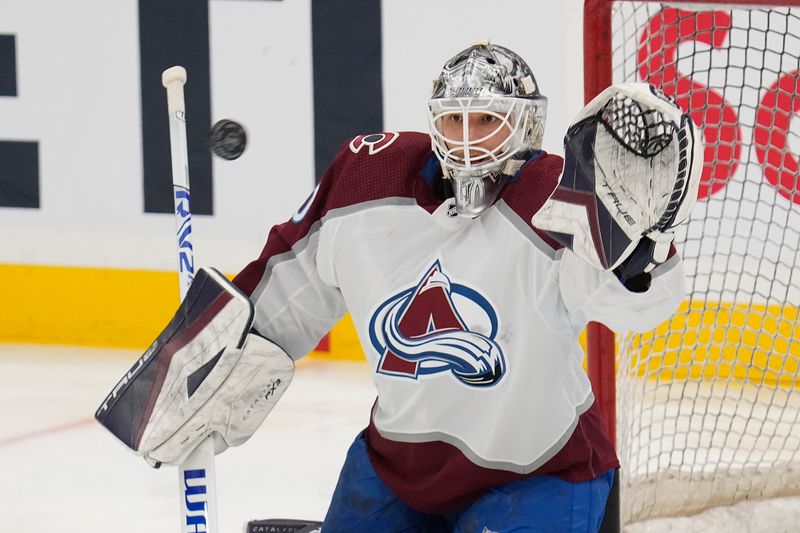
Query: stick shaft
pixel 196 476
pixel 173 80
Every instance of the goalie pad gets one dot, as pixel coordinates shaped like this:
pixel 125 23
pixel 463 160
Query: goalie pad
pixel 204 375
pixel 633 162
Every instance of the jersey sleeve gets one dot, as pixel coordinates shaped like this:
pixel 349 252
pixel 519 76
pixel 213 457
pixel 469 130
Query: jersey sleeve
pixel 591 294
pixel 296 304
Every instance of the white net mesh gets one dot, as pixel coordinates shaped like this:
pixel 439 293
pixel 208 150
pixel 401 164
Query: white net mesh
pixel 709 403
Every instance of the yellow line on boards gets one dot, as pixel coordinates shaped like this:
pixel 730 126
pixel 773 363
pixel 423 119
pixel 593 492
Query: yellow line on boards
pixel 105 307
pixel 86 306
pixel 128 308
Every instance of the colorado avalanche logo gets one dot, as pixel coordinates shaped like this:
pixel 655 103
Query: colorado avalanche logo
pixel 420 331
pixel 374 143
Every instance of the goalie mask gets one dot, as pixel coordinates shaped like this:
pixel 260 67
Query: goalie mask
pixel 485 115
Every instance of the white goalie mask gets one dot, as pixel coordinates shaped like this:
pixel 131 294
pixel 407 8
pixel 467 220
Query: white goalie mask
pixel 485 115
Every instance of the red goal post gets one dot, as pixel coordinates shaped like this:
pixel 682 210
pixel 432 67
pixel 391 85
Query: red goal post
pixel 734 65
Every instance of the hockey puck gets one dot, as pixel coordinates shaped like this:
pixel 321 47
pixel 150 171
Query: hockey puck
pixel 227 139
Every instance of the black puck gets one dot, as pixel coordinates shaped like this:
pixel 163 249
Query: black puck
pixel 227 139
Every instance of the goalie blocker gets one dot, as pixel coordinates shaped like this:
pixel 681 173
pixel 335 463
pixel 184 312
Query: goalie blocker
pixel 205 375
pixel 633 162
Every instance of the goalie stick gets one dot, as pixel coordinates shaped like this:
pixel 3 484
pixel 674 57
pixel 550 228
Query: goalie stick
pixel 196 476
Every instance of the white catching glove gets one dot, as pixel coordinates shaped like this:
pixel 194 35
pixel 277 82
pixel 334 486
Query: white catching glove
pixel 633 162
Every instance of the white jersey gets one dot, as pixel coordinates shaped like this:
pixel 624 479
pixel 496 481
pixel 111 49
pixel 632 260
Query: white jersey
pixel 470 325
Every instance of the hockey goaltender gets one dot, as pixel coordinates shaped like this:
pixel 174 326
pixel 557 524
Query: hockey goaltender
pixel 469 260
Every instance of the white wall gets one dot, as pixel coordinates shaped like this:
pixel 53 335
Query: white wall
pixel 78 86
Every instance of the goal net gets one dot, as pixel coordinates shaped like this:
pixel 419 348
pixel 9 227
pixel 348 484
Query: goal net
pixel 708 404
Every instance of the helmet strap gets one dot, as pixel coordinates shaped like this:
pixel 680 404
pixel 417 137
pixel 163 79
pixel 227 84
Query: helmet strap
pixel 512 166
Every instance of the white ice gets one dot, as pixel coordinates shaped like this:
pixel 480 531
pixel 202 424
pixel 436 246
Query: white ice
pixel 61 471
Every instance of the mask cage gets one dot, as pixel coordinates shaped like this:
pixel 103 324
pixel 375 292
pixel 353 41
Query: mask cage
pixel 522 118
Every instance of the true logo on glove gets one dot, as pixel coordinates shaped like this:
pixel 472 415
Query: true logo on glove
pixel 618 204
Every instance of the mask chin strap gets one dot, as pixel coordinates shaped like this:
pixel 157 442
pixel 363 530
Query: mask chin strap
pixel 511 167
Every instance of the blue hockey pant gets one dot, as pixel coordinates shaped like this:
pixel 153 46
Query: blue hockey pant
pixel 546 504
